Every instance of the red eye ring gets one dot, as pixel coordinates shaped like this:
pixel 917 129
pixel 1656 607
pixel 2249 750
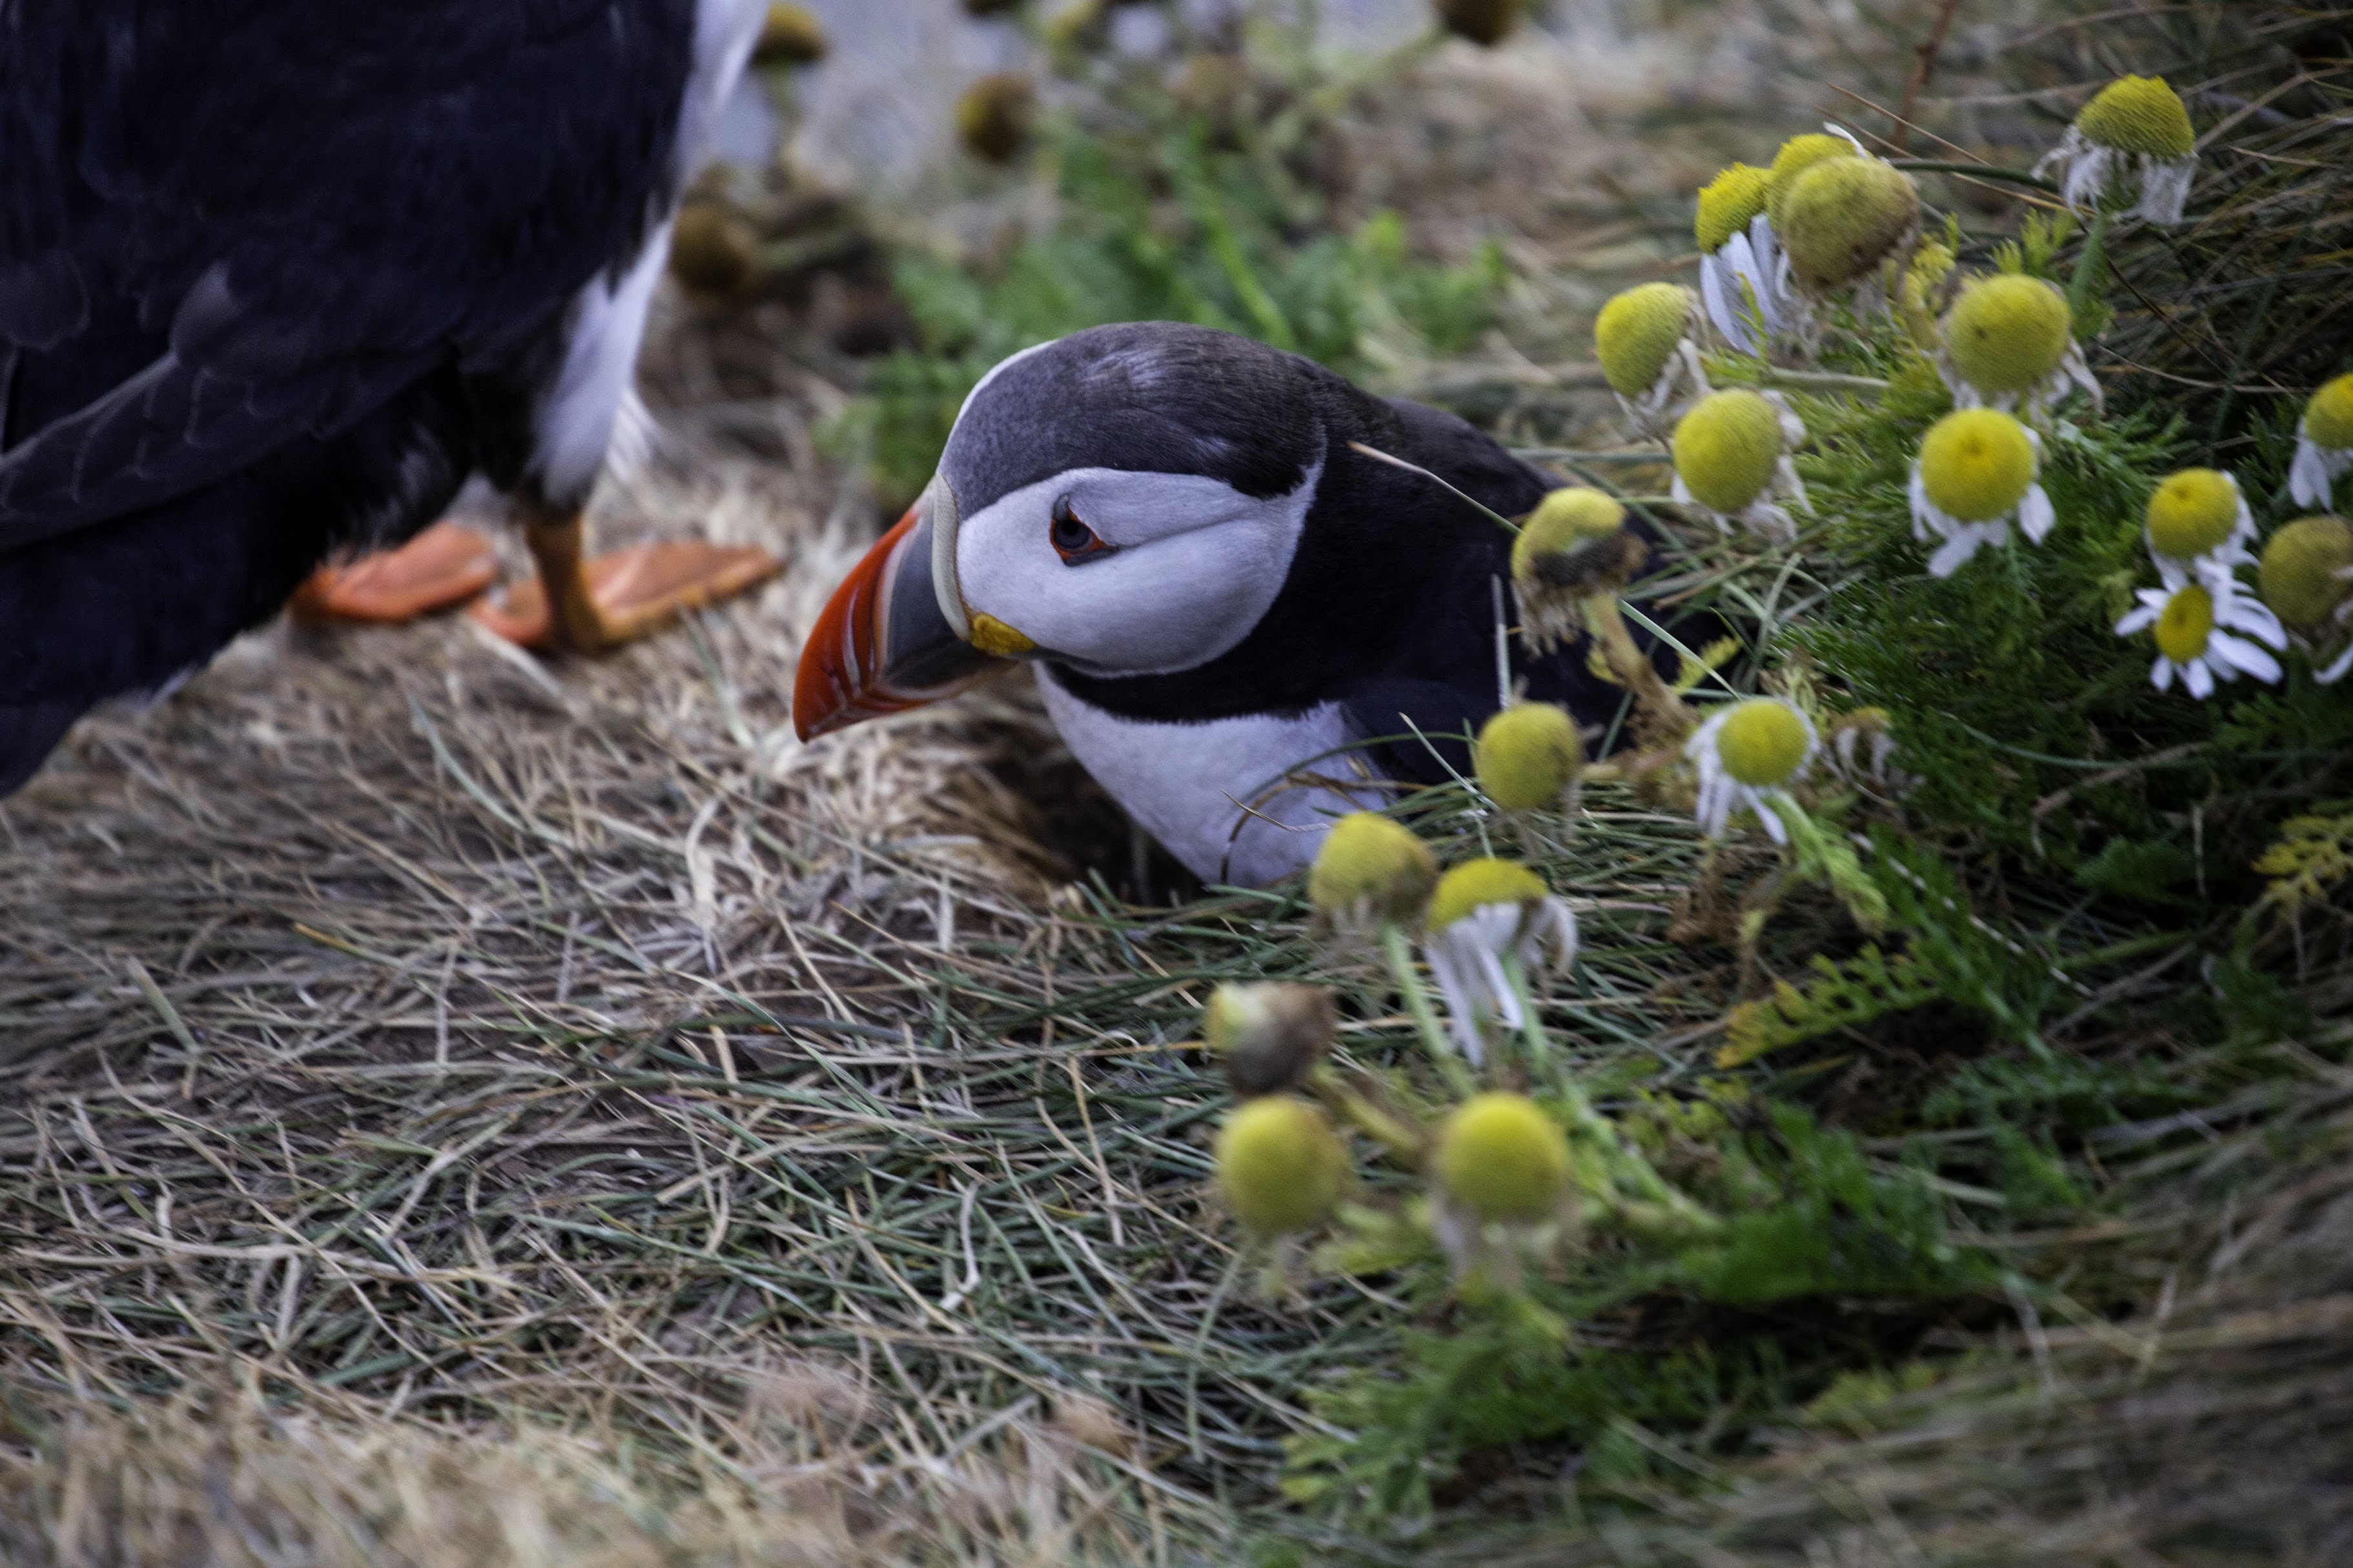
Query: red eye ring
pixel 1073 540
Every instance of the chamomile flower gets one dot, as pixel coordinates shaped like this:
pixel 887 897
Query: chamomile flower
pixel 1279 1165
pixel 1842 220
pixel 1643 339
pixel 1371 872
pixel 1574 545
pixel 2134 120
pixel 1731 460
pixel 2009 340
pixel 1527 758
pixel 1974 476
pixel 1501 1158
pixel 2307 579
pixel 2196 617
pixel 1482 912
pixel 1738 256
pixel 1799 154
pixel 1748 754
pixel 2323 444
pixel 2198 514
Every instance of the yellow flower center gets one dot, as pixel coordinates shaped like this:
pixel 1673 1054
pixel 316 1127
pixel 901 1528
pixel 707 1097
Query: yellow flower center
pixel 2139 115
pixel 1502 1158
pixel 2191 512
pixel 2328 417
pixel 1727 202
pixel 1976 465
pixel 1566 518
pixel 1636 333
pixel 1368 859
pixel 1475 884
pixel 2008 333
pixel 1797 156
pixel 1527 756
pixel 2185 623
pixel 1762 743
pixel 2300 577
pixel 1844 217
pixel 1726 450
pixel 1279 1165
pixel 790 35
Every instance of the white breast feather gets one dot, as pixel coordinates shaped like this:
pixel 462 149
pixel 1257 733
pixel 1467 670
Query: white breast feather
pixel 1188 785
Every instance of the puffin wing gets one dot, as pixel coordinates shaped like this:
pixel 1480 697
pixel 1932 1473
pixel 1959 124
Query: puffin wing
pixel 227 224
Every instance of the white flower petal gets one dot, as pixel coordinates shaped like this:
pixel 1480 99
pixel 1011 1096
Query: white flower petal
pixel 2245 613
pixel 2160 675
pixel 2222 648
pixel 2035 515
pixel 1954 554
pixel 2141 619
pixel 2309 480
pixel 2335 670
pixel 2199 679
pixel 1760 801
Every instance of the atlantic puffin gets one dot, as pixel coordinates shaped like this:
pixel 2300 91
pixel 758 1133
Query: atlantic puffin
pixel 276 278
pixel 1243 624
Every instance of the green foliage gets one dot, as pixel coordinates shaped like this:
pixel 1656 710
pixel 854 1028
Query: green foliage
pixel 1846 994
pixel 2313 854
pixel 1160 224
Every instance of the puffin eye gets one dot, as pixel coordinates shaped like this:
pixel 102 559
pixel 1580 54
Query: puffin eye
pixel 1073 540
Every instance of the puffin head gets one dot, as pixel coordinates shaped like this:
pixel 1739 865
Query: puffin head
pixel 1125 501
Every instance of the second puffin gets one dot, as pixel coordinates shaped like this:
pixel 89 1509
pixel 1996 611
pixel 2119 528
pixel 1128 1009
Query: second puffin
pixel 1243 627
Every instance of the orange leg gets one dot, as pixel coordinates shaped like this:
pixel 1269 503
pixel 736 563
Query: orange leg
pixel 590 606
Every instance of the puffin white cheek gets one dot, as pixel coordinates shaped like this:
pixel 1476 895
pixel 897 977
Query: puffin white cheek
pixel 1172 604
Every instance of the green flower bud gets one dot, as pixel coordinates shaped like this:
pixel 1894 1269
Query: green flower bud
pixel 1728 203
pixel 1844 218
pixel 1268 1036
pixel 1475 884
pixel 1636 333
pixel 2008 333
pixel 1763 742
pixel 1279 1165
pixel 2139 115
pixel 1500 1157
pixel 1483 22
pixel 1976 465
pixel 1727 448
pixel 2191 512
pixel 791 36
pixel 2328 417
pixel 1370 871
pixel 712 250
pixel 1797 156
pixel 2303 573
pixel 1527 756
pixel 993 114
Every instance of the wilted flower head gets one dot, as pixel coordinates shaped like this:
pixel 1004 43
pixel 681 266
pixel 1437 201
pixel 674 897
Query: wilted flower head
pixel 1483 911
pixel 1268 1036
pixel 2323 444
pixel 1527 757
pixel 1482 21
pixel 2194 617
pixel 1280 1167
pixel 2199 514
pixel 1574 545
pixel 2135 120
pixel 2307 579
pixel 712 249
pixel 1975 475
pixel 1738 256
pixel 1732 458
pixel 1861 743
pixel 790 35
pixel 1369 873
pixel 2009 340
pixel 1642 338
pixel 1749 754
pixel 993 114
pixel 1500 1157
pixel 1843 220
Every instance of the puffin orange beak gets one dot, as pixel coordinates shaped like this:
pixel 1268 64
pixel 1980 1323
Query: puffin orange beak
pixel 883 643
